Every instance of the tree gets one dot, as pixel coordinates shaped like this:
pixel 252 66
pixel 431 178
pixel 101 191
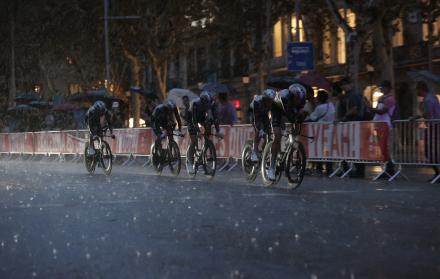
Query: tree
pixel 430 11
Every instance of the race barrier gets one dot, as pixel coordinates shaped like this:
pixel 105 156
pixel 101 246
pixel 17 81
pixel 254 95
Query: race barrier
pixel 416 143
pixel 350 142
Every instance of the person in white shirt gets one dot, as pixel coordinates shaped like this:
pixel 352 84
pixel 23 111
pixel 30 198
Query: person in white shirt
pixel 324 112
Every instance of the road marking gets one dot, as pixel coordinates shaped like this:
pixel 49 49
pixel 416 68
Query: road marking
pixel 334 191
pixel 399 190
pixel 266 195
pixel 119 201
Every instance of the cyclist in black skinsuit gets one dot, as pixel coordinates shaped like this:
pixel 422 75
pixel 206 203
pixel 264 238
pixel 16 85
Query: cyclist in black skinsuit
pixel 203 111
pixel 94 118
pixel 259 111
pixel 163 120
pixel 288 106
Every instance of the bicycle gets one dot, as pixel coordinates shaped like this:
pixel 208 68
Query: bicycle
pixel 170 156
pixel 205 156
pixel 249 167
pixel 292 160
pixel 102 156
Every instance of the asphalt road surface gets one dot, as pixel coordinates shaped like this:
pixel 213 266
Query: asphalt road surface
pixel 56 221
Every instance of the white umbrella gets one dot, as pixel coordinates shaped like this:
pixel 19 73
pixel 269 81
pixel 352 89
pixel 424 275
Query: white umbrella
pixel 176 94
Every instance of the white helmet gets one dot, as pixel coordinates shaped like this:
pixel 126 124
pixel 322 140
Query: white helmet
pixel 269 93
pixel 298 90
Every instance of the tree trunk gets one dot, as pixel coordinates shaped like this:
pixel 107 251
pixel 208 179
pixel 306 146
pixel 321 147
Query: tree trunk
pixel 135 64
pixel 384 50
pixel 12 86
pixel 161 73
pixel 354 47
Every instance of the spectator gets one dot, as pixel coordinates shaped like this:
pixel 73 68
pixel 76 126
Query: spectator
pixel 117 116
pixel 310 102
pixel 226 112
pixel 49 122
pixel 324 112
pixel 350 109
pixel 350 106
pixel 431 110
pixel 184 113
pixel 384 112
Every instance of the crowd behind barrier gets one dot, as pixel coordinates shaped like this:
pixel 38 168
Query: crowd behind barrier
pixel 413 143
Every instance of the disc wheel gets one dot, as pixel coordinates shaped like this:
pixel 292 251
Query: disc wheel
pixel 296 166
pixel 106 158
pixel 250 169
pixel 89 161
pixel 190 161
pixel 265 166
pixel 209 159
pixel 155 159
pixel 175 161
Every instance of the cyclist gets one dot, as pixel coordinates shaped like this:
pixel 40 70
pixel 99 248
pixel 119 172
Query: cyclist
pixel 288 104
pixel 96 118
pixel 203 111
pixel 163 120
pixel 259 110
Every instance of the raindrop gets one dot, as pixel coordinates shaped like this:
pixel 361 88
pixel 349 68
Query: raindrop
pixel 3 244
pixel 277 243
pixel 68 244
pixel 221 205
pixel 34 274
pixel 149 254
pixel 31 198
pixel 270 249
pixel 16 238
pixel 88 256
pixel 54 251
pixel 236 224
pixel 134 219
pixel 138 254
pixel 314 276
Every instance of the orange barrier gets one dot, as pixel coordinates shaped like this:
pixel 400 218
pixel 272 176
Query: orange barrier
pixel 350 141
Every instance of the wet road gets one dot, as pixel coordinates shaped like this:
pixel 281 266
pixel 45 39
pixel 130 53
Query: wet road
pixel 58 222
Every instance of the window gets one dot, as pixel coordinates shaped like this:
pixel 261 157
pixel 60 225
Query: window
pixel 341 46
pixel 302 35
pixel 350 17
pixel 327 46
pixel 398 33
pixel 435 31
pixel 278 39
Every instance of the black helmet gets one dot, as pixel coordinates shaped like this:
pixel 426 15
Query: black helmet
pixel 205 97
pixel 171 105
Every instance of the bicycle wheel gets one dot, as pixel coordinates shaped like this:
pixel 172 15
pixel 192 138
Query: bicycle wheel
pixel 265 165
pixel 174 158
pixel 296 165
pixel 106 158
pixel 250 169
pixel 155 159
pixel 209 158
pixel 89 161
pixel 190 161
